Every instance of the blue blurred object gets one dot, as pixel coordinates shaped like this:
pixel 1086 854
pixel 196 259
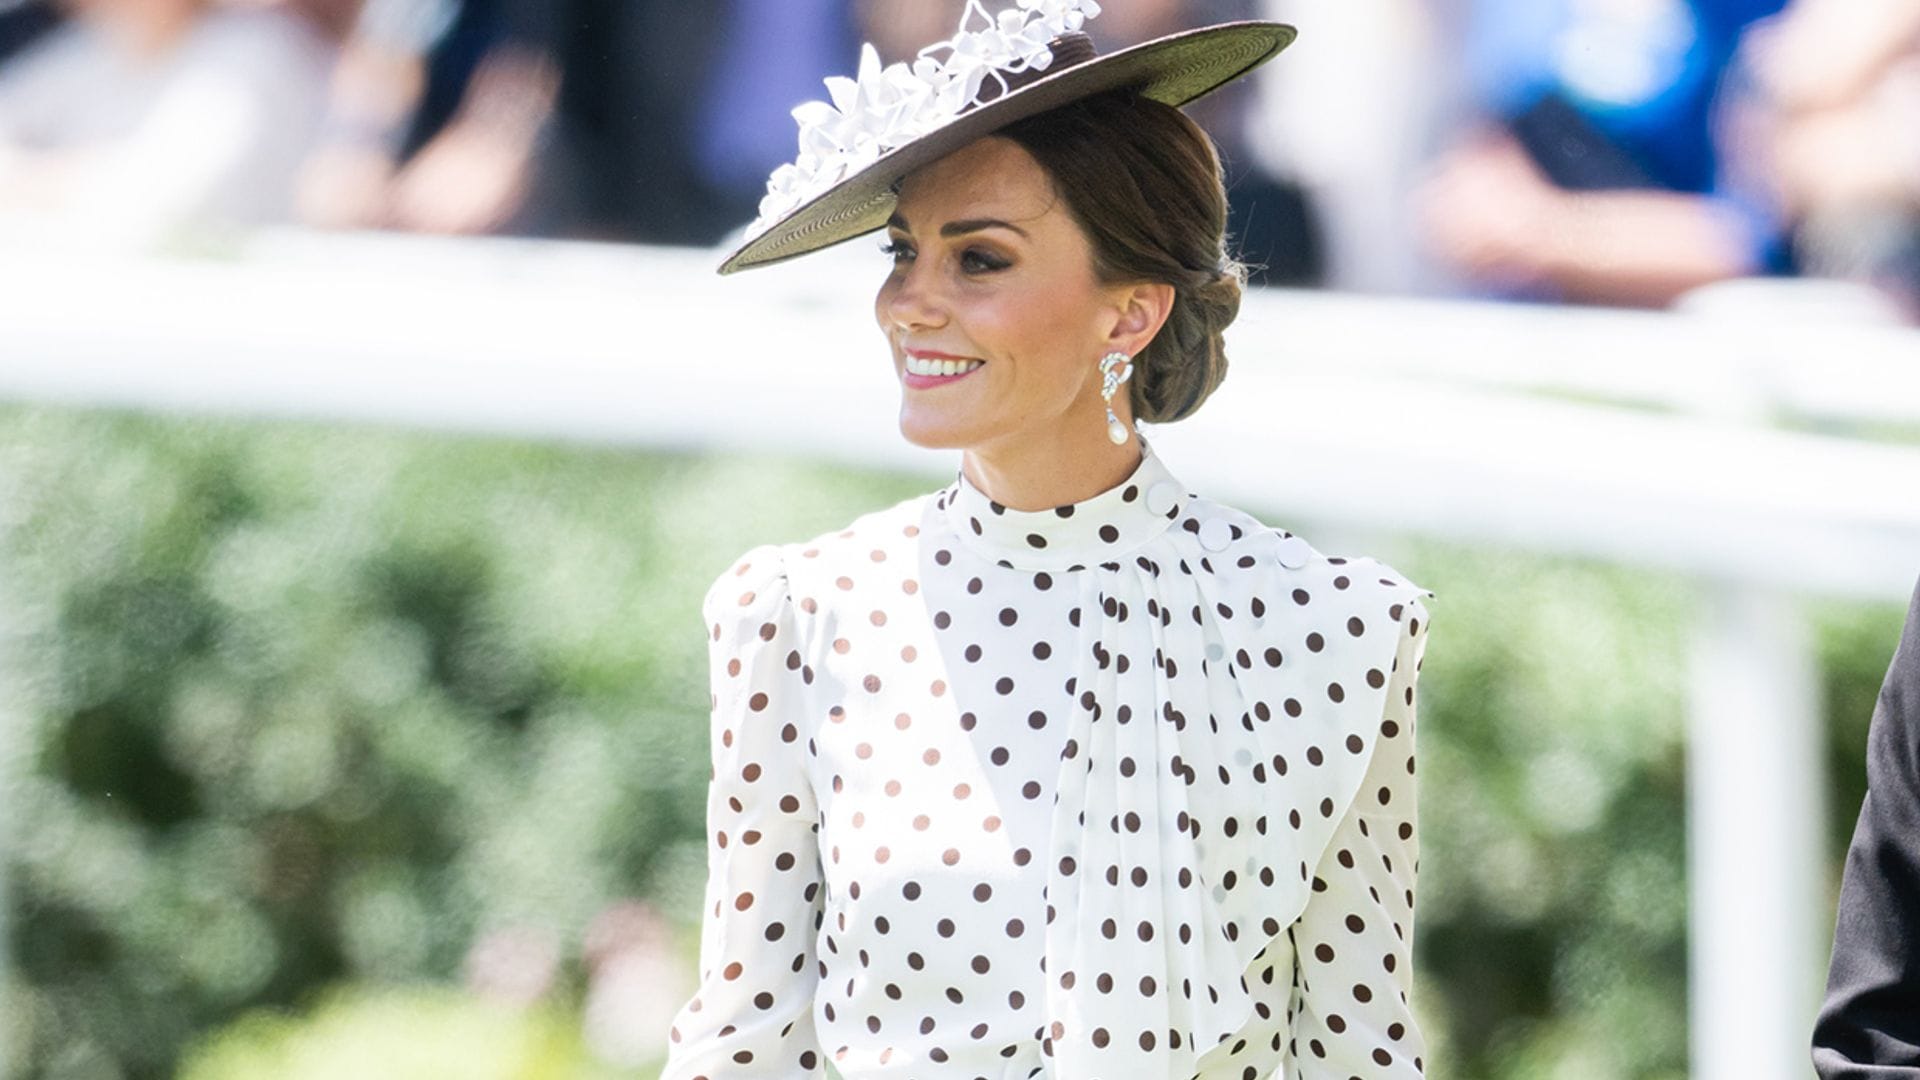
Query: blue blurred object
pixel 1611 94
pixel 1644 74
pixel 775 54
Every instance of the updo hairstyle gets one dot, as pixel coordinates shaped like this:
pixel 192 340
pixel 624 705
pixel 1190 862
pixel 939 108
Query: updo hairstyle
pixel 1143 181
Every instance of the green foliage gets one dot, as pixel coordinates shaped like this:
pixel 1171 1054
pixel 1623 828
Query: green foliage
pixel 290 708
pixel 417 1034
pixel 1553 916
pixel 296 706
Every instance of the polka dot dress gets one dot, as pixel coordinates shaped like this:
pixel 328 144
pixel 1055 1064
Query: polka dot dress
pixel 1121 789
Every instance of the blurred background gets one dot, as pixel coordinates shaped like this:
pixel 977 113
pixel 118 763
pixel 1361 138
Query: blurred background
pixel 371 424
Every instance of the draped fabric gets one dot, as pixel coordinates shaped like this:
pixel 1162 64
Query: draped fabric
pixel 1114 790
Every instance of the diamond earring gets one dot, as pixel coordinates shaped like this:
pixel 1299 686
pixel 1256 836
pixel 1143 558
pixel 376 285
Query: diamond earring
pixel 1115 369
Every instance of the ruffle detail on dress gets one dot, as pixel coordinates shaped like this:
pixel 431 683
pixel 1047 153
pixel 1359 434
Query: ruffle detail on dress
pixel 1151 931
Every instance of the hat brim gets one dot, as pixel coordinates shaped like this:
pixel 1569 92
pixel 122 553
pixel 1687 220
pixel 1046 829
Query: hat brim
pixel 1175 69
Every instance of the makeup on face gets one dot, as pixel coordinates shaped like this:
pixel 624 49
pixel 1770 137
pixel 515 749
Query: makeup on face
pixel 992 309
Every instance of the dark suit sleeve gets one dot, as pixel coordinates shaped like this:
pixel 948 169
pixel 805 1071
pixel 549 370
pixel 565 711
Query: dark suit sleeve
pixel 1869 1027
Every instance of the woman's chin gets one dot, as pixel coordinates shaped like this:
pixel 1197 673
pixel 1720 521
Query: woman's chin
pixel 935 432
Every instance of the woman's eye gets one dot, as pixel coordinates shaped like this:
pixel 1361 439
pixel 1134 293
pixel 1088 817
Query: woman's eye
pixel 979 262
pixel 972 261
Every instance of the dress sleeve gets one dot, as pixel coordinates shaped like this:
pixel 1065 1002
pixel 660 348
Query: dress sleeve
pixel 1353 944
pixel 753 1012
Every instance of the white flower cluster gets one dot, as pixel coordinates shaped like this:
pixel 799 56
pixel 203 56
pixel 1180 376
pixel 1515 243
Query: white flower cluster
pixel 887 107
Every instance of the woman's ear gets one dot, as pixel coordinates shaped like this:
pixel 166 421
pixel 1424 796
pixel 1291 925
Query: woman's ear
pixel 1143 310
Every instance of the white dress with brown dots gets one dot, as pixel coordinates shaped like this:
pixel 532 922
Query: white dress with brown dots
pixel 1120 790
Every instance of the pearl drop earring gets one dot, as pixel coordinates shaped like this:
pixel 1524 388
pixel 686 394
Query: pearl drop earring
pixel 1115 369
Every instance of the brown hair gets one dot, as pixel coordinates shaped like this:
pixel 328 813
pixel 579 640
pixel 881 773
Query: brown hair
pixel 1143 181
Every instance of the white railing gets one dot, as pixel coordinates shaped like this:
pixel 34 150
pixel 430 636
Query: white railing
pixel 1717 447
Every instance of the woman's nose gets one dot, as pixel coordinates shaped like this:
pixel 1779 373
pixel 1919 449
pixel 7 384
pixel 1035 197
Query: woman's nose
pixel 909 302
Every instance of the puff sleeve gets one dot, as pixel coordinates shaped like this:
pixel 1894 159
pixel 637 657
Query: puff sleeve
pixel 752 1014
pixel 1353 942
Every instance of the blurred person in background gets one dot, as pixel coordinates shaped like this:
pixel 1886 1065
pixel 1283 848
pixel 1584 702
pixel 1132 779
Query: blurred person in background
pixel 22 22
pixel 1391 70
pixel 1597 176
pixel 636 120
pixel 139 119
pixel 1837 123
pixel 435 115
pixel 332 18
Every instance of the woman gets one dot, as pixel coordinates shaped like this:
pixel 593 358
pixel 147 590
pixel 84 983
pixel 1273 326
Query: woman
pixel 1062 771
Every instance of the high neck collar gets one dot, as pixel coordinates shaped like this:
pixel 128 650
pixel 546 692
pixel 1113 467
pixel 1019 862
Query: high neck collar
pixel 1096 530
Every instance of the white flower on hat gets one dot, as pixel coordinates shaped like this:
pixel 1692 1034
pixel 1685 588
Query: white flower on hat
pixel 1062 16
pixel 885 107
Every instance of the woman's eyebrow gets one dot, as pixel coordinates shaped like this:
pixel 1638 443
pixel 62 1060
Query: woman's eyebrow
pixel 959 228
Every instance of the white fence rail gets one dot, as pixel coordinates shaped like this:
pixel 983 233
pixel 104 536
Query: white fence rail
pixel 1721 448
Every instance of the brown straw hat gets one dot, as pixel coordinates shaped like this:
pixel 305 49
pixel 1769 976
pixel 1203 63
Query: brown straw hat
pixel 1174 69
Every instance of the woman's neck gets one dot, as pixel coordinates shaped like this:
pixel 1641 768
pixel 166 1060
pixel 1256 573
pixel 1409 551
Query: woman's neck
pixel 1060 473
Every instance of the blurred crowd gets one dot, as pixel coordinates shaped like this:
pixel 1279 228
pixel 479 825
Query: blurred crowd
pixel 1600 151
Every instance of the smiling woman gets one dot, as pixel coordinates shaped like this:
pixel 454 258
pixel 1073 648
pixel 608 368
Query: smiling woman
pixel 1063 770
pixel 998 287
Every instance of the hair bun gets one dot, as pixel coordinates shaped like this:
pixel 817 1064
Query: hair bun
pixel 1180 378
pixel 1143 180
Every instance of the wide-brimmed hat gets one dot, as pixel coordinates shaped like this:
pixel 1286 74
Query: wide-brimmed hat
pixel 891 120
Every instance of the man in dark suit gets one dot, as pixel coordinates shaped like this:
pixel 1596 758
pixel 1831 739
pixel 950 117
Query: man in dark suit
pixel 1869 1028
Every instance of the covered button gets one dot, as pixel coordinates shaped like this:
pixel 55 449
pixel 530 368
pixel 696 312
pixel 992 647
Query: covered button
pixel 1295 553
pixel 1162 498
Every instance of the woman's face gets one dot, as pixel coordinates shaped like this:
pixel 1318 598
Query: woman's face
pixel 995 317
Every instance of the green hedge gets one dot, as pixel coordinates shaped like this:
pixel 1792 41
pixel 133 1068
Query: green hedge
pixel 293 708
pixel 417 1034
